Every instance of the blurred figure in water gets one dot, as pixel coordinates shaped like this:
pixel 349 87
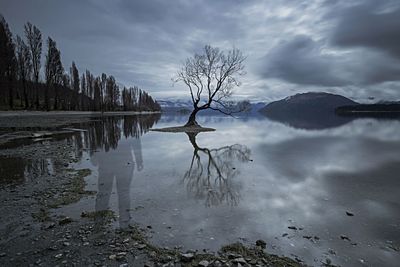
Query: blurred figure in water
pixel 119 165
pixel 116 149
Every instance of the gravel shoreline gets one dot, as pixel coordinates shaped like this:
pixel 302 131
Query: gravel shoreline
pixel 33 232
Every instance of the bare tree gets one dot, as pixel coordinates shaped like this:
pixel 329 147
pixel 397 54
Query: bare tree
pixel 75 86
pixel 7 62
pixel 83 91
pixel 54 72
pixel 34 37
pixel 96 94
pixel 24 66
pixel 210 77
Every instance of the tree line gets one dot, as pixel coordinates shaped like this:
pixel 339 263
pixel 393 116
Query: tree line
pixel 22 88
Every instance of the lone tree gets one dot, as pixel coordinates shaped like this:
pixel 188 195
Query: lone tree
pixel 211 76
pixel 34 38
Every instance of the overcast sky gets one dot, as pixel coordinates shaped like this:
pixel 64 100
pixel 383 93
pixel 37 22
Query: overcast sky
pixel 292 46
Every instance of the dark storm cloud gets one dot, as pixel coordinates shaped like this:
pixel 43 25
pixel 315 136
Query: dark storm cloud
pixel 308 42
pixel 358 46
pixel 300 61
pixel 372 24
pixel 136 41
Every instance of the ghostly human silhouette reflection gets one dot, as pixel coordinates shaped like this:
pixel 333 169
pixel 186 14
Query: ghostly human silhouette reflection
pixel 212 172
pixel 118 164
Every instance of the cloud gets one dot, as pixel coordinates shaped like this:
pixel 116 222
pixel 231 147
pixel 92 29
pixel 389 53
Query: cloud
pixel 304 61
pixel 300 61
pixel 371 24
pixel 302 44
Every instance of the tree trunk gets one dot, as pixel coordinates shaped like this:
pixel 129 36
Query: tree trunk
pixel 46 98
pixel 55 97
pixel 192 118
pixel 37 95
pixel 25 94
pixel 10 93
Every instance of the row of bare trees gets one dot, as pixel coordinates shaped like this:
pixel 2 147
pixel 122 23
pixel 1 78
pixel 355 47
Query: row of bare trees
pixel 22 88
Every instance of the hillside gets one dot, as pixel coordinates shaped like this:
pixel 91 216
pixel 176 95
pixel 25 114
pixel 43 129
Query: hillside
pixel 308 110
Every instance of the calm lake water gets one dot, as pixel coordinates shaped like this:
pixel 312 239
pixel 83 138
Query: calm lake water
pixel 251 179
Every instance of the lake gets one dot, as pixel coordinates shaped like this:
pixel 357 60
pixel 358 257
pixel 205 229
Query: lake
pixel 318 195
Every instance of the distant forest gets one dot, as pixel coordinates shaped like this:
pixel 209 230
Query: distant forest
pixel 22 88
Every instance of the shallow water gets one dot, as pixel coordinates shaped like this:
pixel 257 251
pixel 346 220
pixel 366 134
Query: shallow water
pixel 251 179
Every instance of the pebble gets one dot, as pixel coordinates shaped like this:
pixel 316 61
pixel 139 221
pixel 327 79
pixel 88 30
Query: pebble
pixel 239 260
pixel 261 243
pixel 141 246
pixel 204 263
pixel 187 256
pixel 65 221
pixel 344 237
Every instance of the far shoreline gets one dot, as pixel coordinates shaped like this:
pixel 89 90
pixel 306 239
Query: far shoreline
pixel 71 113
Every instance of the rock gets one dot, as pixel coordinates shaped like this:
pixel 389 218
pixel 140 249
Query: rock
pixel 239 261
pixel 292 227
pixel 67 244
pixel 112 257
pixel 148 264
pixel 50 225
pixel 344 237
pixel 3 254
pixel 348 213
pixel 141 246
pixel 261 243
pixel 65 220
pixel 187 256
pixel 124 265
pixel 285 234
pixel 58 256
pixel 204 263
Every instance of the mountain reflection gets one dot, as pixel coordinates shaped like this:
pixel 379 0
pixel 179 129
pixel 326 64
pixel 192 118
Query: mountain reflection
pixel 212 172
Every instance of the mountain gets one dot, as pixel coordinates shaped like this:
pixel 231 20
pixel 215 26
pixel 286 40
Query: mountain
pixel 180 106
pixel 311 110
pixel 175 105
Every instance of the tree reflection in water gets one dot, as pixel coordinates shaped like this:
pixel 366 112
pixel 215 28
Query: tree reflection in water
pixel 212 172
